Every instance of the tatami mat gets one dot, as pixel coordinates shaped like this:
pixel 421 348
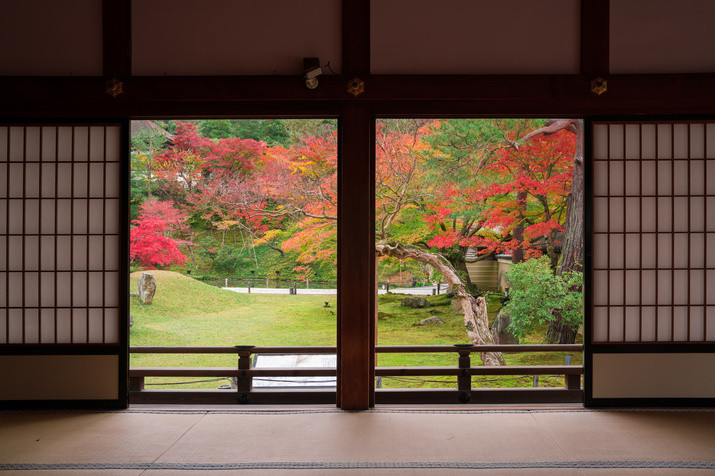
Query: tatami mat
pixel 332 442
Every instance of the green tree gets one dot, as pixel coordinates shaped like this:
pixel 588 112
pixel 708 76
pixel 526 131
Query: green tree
pixel 216 128
pixel 147 141
pixel 302 128
pixel 271 131
pixel 537 294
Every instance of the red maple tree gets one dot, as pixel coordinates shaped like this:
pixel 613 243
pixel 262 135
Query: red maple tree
pixel 150 243
pixel 521 200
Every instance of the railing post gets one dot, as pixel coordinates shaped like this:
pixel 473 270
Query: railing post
pixel 464 379
pixel 244 382
pixel 573 381
pixel 136 384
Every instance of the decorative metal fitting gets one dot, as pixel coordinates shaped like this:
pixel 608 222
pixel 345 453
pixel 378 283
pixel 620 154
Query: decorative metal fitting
pixel 114 87
pixel 244 399
pixel 465 397
pixel 356 86
pixel 599 86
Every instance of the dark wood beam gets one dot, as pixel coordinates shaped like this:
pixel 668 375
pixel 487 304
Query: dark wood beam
pixel 117 38
pixel 478 396
pixel 257 397
pixel 388 95
pixel 595 37
pixel 356 37
pixel 356 258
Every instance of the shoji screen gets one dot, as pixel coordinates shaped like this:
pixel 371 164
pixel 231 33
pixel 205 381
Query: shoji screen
pixel 653 259
pixel 60 261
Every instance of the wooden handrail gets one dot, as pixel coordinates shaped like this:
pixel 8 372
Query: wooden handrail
pixel 425 349
pixel 243 374
pixel 232 350
pixel 229 372
pixel 379 371
pixel 379 349
pixel 498 370
pixel 184 372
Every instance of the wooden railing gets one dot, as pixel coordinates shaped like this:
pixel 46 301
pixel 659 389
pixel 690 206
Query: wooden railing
pixel 244 374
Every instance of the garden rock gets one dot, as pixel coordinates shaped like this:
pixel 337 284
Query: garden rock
pixel 457 306
pixel 449 294
pixel 499 330
pixel 415 302
pixel 383 316
pixel 146 288
pixel 431 321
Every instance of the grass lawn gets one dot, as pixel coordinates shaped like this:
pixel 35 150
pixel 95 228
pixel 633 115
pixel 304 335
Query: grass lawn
pixel 189 313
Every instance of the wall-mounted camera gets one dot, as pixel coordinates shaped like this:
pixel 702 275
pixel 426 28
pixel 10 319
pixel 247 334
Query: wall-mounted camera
pixel 311 71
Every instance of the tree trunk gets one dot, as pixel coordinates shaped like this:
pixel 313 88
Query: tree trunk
pixel 518 234
pixel 476 320
pixel 459 263
pixel 572 249
pixel 560 332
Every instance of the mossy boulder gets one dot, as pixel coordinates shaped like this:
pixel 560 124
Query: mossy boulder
pixel 415 302
pixel 431 321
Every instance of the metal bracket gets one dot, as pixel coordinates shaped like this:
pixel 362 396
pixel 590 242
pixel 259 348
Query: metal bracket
pixel 114 87
pixel 356 86
pixel 599 86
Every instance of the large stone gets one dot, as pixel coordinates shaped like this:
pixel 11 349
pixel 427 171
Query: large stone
pixel 457 306
pixel 500 332
pixel 415 302
pixel 431 321
pixel 146 288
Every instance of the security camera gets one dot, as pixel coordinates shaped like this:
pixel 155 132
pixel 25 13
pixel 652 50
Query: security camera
pixel 311 71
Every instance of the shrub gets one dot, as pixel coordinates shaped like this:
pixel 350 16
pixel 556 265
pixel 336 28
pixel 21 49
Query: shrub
pixel 535 293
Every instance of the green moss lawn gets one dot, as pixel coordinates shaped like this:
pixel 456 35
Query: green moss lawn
pixel 190 313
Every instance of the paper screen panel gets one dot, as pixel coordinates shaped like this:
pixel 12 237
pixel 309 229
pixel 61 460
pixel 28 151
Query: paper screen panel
pixel 59 234
pixel 653 224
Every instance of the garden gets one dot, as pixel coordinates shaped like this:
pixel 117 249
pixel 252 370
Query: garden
pixel 254 202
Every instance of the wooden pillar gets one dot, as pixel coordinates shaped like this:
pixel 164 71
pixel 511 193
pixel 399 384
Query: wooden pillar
pixel 595 62
pixel 356 260
pixel 356 220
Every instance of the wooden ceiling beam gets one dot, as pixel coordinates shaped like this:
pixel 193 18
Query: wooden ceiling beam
pixel 503 94
pixel 117 38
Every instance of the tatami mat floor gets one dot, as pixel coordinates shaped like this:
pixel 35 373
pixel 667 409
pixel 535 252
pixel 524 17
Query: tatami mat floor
pixel 151 441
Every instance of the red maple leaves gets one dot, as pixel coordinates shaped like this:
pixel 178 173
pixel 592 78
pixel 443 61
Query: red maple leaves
pixel 525 185
pixel 287 197
pixel 149 242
